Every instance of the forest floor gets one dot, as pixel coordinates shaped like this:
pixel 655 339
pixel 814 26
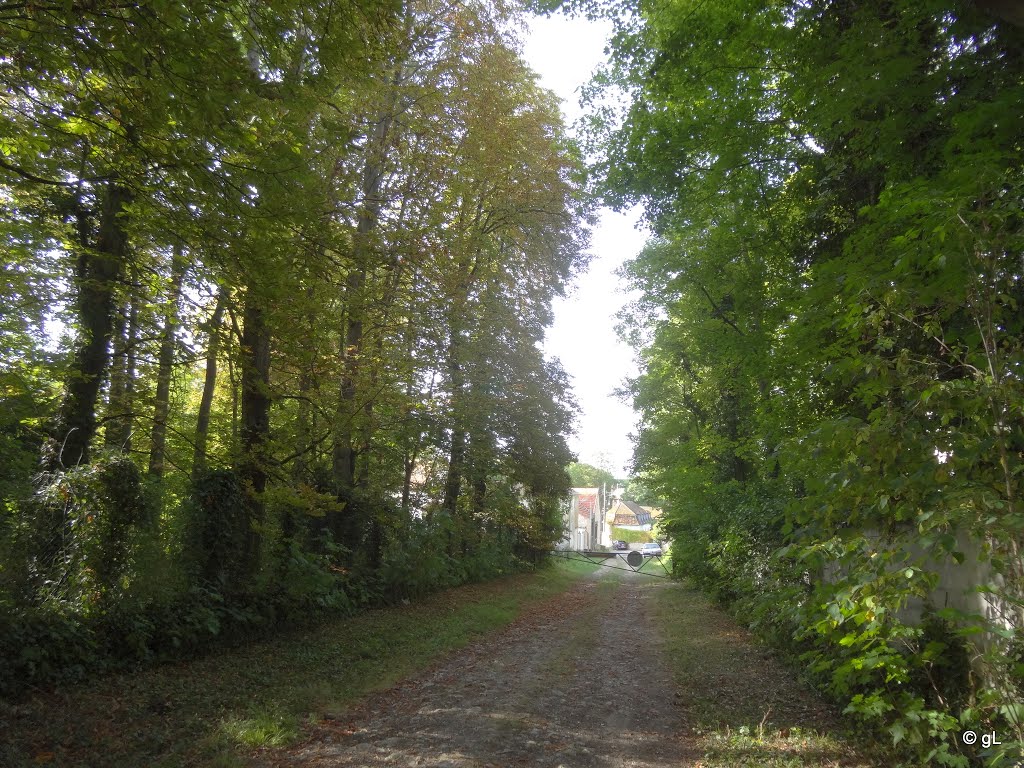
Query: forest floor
pixel 569 667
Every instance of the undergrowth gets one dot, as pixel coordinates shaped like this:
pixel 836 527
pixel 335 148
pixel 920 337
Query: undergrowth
pixel 215 710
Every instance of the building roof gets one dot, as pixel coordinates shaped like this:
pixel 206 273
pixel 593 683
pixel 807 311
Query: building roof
pixel 586 501
pixel 643 517
pixel 629 513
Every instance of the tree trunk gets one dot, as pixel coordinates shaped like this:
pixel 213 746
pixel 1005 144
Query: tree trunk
pixel 209 385
pixel 165 365
pixel 479 494
pixel 453 482
pixel 457 456
pixel 478 457
pixel 98 271
pixel 344 452
pixel 409 465
pixel 128 421
pixel 303 429
pixel 114 432
pixel 255 413
pixel 304 425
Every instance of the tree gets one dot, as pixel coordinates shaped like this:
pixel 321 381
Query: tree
pixel 835 257
pixel 588 476
pixel 301 257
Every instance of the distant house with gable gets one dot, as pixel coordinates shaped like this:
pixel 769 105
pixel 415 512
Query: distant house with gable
pixel 631 516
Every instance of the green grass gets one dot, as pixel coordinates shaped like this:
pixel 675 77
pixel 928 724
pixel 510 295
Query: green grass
pixel 656 567
pixel 744 706
pixel 214 711
pixel 630 536
pixel 269 728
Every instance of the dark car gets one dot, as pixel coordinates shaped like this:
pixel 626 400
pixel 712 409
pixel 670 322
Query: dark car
pixel 619 545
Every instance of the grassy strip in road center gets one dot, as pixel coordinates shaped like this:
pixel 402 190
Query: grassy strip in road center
pixel 214 711
pixel 743 705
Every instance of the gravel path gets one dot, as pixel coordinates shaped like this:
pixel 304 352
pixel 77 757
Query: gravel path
pixel 579 683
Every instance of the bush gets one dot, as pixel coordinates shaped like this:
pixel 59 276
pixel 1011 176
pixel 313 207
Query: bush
pixel 43 645
pixel 122 596
pixel 630 536
pixel 219 530
pixel 100 512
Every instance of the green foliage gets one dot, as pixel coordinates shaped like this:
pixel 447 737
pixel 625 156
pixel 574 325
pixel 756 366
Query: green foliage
pixel 41 646
pixel 588 476
pixel 102 514
pixel 222 529
pixel 829 316
pixel 630 536
pixel 277 290
pixel 23 406
pixel 639 491
pixel 1015 662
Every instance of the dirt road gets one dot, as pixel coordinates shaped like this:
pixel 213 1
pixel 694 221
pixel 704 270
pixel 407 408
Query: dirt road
pixel 579 683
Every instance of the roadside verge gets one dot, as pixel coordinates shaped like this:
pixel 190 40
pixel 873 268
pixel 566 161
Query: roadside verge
pixel 744 706
pixel 215 711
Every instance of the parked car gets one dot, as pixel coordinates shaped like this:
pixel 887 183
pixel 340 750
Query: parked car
pixel 650 549
pixel 618 544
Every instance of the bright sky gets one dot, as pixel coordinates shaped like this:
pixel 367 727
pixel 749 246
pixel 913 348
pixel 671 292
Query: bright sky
pixel 564 52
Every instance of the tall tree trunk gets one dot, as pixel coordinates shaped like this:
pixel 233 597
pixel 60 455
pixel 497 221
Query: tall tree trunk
pixel 307 382
pixel 352 336
pixel 114 432
pixel 97 273
pixel 344 451
pixel 254 429
pixel 456 460
pixel 165 365
pixel 303 429
pixel 209 386
pixel 479 495
pixel 412 445
pixel 457 456
pixel 344 454
pixel 128 421
pixel 409 465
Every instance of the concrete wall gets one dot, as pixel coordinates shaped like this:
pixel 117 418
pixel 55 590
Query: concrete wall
pixel 957 586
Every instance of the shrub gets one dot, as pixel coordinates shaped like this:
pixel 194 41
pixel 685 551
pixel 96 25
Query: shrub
pixel 630 536
pixel 101 510
pixel 218 538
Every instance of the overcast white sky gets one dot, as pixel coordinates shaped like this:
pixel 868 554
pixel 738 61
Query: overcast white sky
pixel 564 52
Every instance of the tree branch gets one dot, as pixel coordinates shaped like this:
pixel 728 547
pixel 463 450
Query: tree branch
pixel 32 177
pixel 719 313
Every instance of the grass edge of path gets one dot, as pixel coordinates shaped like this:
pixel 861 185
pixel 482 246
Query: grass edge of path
pixel 715 663
pixel 215 711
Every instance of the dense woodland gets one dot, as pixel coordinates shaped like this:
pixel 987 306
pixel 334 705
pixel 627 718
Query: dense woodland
pixel 275 278
pixel 831 336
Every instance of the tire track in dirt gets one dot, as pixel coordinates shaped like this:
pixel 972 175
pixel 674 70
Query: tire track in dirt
pixel 579 682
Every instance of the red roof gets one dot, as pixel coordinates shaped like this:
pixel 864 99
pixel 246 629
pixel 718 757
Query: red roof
pixel 587 504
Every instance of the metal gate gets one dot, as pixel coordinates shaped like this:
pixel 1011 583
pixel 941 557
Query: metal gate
pixel 633 560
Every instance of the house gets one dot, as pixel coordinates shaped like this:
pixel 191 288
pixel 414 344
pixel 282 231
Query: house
pixel 631 516
pixel 582 521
